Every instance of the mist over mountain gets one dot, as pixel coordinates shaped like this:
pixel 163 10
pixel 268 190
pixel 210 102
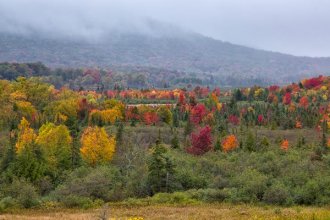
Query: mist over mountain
pixel 158 45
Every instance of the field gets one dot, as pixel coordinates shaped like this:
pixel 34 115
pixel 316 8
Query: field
pixel 198 212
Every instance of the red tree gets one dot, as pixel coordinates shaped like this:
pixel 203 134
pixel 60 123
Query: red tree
pixel 260 119
pixel 201 141
pixel 150 118
pixel 233 119
pixel 182 99
pixel 287 98
pixel 313 82
pixel 303 102
pixel 197 113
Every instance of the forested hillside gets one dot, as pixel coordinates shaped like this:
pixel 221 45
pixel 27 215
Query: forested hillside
pixel 120 77
pixel 188 52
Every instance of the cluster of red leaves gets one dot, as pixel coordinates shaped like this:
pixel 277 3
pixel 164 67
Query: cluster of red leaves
pixel 303 102
pixel 313 82
pixel 131 114
pixel 287 98
pixel 201 141
pixel 150 118
pixel 182 99
pixel 260 119
pixel 233 119
pixel 198 112
pixel 273 88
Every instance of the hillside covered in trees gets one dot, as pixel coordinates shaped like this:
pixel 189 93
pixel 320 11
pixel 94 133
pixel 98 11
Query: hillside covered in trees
pixel 175 51
pixel 66 148
pixel 119 77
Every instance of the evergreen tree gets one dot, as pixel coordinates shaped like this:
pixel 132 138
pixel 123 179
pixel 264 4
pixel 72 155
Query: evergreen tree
pixel 160 170
pixel 176 118
pixel 217 145
pixel 188 128
pixel 250 142
pixel 119 134
pixel 9 155
pixel 30 164
pixel 175 141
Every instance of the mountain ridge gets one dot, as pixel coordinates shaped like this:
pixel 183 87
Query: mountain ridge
pixel 184 51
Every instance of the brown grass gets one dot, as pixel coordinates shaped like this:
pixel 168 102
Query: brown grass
pixel 200 212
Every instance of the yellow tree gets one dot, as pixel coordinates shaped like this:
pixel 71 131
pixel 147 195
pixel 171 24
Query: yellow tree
pixel 97 146
pixel 26 136
pixel 55 142
pixel 109 116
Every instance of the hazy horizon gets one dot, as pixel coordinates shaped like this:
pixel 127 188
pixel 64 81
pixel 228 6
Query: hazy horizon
pixel 292 27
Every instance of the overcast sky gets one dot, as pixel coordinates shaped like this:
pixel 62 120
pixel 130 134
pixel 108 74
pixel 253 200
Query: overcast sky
pixel 299 27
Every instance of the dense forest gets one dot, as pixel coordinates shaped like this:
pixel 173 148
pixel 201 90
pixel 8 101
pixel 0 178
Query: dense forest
pixel 73 147
pixel 119 77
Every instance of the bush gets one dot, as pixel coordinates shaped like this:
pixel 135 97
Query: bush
pixel 250 185
pixel 7 203
pixel 277 194
pixel 182 198
pixel 23 192
pixel 74 201
pixel 209 195
pixel 103 183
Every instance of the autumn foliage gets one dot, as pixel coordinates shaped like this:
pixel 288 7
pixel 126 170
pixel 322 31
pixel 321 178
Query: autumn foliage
pixel 303 102
pixel 97 146
pixel 150 118
pixel 229 143
pixel 197 114
pixel 26 136
pixel 201 141
pixel 285 145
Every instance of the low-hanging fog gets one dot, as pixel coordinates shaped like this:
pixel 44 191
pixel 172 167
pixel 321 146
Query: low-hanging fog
pixel 289 26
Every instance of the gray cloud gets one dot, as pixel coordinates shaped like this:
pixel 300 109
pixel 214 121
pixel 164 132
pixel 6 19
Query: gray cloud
pixel 289 26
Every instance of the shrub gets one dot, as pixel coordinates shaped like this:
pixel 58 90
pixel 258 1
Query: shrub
pixel 251 185
pixel 22 191
pixel 103 182
pixel 277 194
pixel 173 198
pixel 74 201
pixel 7 203
pixel 209 195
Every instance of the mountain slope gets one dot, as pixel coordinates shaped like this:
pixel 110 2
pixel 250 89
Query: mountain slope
pixel 186 52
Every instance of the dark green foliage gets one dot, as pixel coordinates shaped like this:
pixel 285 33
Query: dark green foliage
pixel 160 170
pixel 250 142
pixel 23 192
pixel 217 145
pixel 277 194
pixel 29 164
pixel 176 118
pixel 96 183
pixel 175 141
pixel 188 128
pixel 119 134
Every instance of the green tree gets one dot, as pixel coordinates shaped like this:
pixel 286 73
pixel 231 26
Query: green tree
pixel 175 141
pixel 56 143
pixel 250 142
pixel 160 170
